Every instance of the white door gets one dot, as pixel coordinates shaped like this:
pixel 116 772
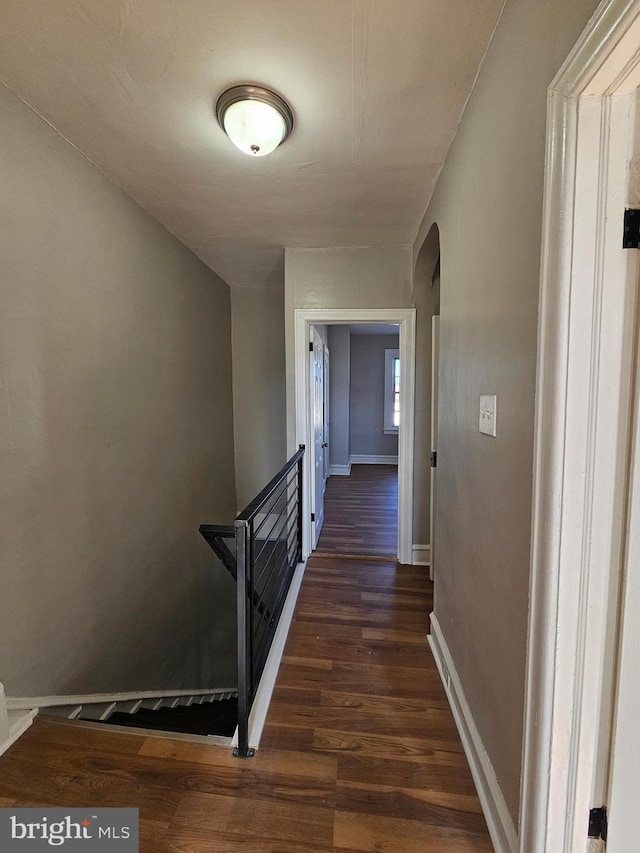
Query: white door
pixel 325 444
pixel 317 380
pixel 435 351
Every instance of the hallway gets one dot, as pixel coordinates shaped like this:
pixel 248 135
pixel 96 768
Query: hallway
pixel 361 513
pixel 360 751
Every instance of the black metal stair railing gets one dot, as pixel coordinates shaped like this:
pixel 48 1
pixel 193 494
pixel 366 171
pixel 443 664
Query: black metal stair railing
pixel 267 549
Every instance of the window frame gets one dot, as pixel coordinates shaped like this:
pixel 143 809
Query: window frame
pixel 390 355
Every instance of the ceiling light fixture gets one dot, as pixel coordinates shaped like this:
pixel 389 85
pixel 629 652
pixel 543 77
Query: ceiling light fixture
pixel 255 119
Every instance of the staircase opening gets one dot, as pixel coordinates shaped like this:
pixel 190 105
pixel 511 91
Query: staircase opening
pixel 218 718
pixel 264 552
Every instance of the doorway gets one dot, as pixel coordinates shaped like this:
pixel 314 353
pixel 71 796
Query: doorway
pixel 305 321
pixel 362 413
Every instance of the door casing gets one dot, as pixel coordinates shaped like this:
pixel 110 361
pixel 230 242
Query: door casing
pixel 583 392
pixel 317 381
pixel 406 320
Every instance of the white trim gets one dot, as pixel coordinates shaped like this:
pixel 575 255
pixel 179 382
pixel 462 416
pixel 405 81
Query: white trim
pixel 372 459
pixel 264 692
pixel 501 827
pixel 211 740
pixel 4 719
pixel 420 555
pixel 12 723
pixel 405 318
pixel 340 470
pixel 390 355
pixel 583 389
pixel 30 702
pixel 19 722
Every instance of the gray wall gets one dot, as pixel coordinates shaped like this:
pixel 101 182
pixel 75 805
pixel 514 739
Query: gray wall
pixel 116 434
pixel 351 277
pixel 258 387
pixel 367 435
pixel 339 385
pixel 490 191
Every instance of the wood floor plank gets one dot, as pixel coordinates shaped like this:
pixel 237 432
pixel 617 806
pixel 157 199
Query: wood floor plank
pixel 383 681
pixel 379 652
pixel 212 817
pixel 396 835
pixel 362 720
pixel 152 833
pixel 322 629
pixel 181 841
pixel 288 763
pixel 411 804
pixel 440 774
pixel 387 704
pixel 444 749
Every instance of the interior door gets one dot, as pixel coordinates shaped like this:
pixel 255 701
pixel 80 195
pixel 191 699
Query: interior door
pixel 326 419
pixel 317 380
pixel 435 351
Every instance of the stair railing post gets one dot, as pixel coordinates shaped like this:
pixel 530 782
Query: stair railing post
pixel 299 488
pixel 244 664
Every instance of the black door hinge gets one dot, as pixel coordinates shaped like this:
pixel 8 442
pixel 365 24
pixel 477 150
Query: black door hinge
pixel 631 236
pixel 310 346
pixel 313 516
pixel 434 458
pixel 598 823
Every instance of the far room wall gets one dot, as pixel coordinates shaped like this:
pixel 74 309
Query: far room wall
pixel 339 397
pixel 366 422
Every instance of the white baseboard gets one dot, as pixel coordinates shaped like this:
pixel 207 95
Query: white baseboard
pixel 30 702
pixel 373 460
pixel 340 470
pixel 501 828
pixel 262 699
pixel 421 555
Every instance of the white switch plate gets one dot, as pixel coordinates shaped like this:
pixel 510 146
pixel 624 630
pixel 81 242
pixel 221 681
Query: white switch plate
pixel 488 414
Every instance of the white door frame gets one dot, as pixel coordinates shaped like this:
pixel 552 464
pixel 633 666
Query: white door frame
pixel 587 313
pixel 435 361
pixel 406 319
pixel 318 349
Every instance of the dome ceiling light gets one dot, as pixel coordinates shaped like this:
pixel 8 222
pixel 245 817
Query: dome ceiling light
pixel 255 119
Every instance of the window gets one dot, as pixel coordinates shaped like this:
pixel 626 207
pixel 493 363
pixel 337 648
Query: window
pixel 391 390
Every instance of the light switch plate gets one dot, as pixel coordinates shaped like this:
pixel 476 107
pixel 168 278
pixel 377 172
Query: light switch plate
pixel 488 414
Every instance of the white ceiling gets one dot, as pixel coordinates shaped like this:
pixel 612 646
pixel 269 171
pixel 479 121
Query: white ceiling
pixel 377 88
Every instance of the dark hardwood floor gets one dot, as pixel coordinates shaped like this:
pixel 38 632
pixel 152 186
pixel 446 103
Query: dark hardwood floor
pixel 360 751
pixel 361 513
